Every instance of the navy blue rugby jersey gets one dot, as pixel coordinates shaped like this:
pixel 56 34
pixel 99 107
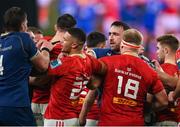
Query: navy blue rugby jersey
pixel 16 51
pixel 99 52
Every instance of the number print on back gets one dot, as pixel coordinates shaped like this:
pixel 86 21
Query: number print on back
pixel 1 66
pixel 75 92
pixel 128 86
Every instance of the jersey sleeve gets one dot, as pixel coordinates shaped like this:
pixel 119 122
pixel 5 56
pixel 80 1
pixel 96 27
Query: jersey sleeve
pixel 104 60
pixel 58 67
pixel 96 65
pixel 157 85
pixel 29 46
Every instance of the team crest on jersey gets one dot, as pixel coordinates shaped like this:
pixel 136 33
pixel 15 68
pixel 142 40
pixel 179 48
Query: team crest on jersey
pixel 55 63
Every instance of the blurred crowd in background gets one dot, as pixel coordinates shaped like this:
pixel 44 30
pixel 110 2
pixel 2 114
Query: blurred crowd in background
pixel 152 17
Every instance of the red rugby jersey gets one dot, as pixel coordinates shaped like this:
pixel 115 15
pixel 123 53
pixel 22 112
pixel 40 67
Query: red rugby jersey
pixel 169 113
pixel 72 73
pixel 126 84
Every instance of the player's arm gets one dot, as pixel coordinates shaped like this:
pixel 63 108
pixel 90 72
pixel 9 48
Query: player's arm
pixel 97 79
pixel 158 102
pixel 149 98
pixel 161 99
pixel 39 81
pixel 88 102
pixel 41 59
pixel 95 82
pixel 167 79
pixel 176 93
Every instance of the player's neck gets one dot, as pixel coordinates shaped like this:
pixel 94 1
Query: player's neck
pixel 78 53
pixel 128 52
pixel 170 59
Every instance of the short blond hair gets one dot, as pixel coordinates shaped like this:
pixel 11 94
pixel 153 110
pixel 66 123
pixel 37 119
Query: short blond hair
pixel 132 36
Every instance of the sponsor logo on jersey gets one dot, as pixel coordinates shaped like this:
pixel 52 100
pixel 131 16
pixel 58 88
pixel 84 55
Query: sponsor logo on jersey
pixel 55 63
pixel 124 101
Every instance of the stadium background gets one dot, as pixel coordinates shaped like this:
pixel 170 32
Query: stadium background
pixel 152 17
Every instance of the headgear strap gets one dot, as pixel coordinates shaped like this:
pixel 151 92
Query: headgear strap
pixel 124 43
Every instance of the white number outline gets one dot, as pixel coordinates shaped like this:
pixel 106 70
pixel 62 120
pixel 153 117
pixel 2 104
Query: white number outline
pixel 128 87
pixel 1 66
pixel 82 85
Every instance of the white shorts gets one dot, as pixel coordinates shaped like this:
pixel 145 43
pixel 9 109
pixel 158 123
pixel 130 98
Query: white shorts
pixel 38 108
pixel 166 123
pixel 61 123
pixel 91 122
pixel 38 111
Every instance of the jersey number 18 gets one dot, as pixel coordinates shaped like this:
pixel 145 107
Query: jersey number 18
pixel 128 86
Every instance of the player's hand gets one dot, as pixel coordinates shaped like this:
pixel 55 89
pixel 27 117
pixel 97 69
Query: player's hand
pixel 171 96
pixel 39 43
pixel 157 66
pixel 46 44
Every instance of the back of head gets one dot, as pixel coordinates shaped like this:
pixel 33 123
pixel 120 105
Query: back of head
pixel 13 18
pixel 78 34
pixel 95 38
pixel 132 36
pixel 120 24
pixel 35 30
pixel 169 40
pixel 66 21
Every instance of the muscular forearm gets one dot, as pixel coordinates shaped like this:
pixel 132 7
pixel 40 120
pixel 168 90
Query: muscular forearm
pixel 39 81
pixel 89 100
pixel 167 79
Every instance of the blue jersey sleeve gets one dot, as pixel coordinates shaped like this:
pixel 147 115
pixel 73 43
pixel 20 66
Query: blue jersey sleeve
pixel 99 52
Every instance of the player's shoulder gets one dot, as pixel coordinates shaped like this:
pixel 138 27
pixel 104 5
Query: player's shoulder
pixel 91 52
pixel 61 61
pixel 169 66
pixel 111 59
pixel 15 34
pixel 21 34
pixel 71 59
pixel 139 63
pixel 103 52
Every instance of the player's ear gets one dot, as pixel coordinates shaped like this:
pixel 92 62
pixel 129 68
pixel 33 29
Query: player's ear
pixel 55 27
pixel 166 50
pixel 74 45
pixel 23 27
pixel 121 47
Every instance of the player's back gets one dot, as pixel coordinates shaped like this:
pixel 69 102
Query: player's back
pixel 15 67
pixel 72 76
pixel 126 84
